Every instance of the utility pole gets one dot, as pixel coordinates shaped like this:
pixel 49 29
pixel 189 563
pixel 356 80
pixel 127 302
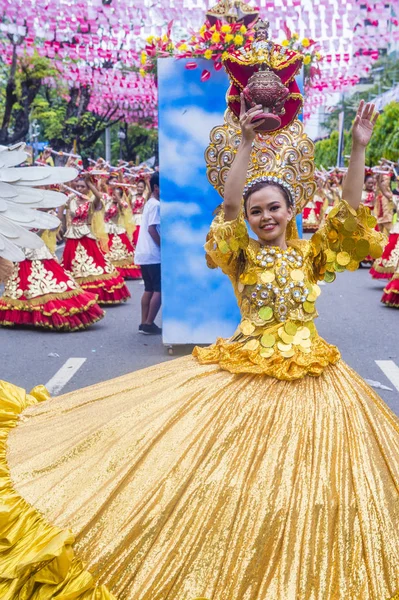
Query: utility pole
pixel 108 145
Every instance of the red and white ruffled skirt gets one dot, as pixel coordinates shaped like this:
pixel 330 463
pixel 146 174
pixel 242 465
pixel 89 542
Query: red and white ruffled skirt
pixel 390 296
pixel 92 269
pixel 384 267
pixel 40 293
pixel 121 254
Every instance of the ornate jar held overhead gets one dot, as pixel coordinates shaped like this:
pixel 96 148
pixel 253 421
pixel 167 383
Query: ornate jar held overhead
pixel 264 86
pixel 264 73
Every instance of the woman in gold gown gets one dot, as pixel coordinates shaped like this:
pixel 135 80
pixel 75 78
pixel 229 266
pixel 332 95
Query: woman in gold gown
pixel 262 468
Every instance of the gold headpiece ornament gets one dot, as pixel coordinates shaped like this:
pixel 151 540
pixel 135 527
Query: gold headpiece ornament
pixel 232 11
pixel 284 157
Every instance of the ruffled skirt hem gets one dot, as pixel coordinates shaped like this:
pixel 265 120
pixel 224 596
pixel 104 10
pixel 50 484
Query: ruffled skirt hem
pixel 37 560
pixel 390 296
pixel 129 271
pixel 377 274
pixel 77 310
pixel 109 289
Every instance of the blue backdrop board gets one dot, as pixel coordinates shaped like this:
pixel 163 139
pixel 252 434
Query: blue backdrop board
pixel 198 304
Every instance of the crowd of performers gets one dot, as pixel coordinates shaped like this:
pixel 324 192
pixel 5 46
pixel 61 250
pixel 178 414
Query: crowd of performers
pixel 100 223
pixel 382 197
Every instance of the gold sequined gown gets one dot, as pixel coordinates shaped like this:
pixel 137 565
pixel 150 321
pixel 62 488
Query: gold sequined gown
pixel 262 468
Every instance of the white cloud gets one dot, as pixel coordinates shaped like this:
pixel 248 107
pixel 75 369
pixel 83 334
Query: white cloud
pixel 198 268
pixel 182 162
pixel 196 90
pixel 195 122
pixel 180 209
pixel 167 69
pixel 184 235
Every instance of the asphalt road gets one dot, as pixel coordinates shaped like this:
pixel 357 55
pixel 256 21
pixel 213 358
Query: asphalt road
pixel 351 316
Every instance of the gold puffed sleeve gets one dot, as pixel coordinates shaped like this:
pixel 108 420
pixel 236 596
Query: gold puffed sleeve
pixel 347 237
pixel 225 242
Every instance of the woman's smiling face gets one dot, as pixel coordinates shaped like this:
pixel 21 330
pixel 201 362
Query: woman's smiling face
pixel 268 215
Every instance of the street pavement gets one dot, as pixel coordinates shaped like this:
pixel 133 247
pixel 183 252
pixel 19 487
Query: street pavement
pixel 351 316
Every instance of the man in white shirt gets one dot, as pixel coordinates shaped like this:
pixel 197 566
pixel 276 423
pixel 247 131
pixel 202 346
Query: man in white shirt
pixel 148 256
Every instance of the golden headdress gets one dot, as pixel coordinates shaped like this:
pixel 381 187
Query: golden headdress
pixel 284 157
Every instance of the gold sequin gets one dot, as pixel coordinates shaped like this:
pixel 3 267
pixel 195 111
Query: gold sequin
pixel 266 352
pixel 343 258
pixel 206 442
pixel 308 307
pixel 290 328
pixel 267 277
pixel 284 347
pixel 251 345
pixel 247 327
pixel 297 275
pixel 266 313
pixel 329 277
pixel 268 340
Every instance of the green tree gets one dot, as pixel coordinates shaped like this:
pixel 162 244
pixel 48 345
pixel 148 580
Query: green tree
pixel 23 80
pixel 66 122
pixel 326 150
pixel 385 140
pixel 140 143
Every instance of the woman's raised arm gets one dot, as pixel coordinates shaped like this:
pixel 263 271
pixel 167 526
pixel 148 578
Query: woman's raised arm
pixel 362 130
pixel 235 181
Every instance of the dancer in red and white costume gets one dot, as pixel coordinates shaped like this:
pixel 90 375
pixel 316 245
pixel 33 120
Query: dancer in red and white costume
pixel 390 296
pixel 86 246
pixel 40 293
pixel 384 267
pixel 120 226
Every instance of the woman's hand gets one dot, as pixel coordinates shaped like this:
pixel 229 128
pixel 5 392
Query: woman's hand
pixel 88 179
pixel 248 128
pixel 363 125
pixel 362 130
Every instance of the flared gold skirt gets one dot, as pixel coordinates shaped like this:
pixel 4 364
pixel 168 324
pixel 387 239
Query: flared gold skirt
pixel 183 481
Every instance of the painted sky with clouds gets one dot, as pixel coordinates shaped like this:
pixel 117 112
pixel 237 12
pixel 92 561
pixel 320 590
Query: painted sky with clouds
pixel 198 303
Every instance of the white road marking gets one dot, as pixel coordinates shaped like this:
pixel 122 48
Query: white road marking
pixel 390 370
pixel 64 374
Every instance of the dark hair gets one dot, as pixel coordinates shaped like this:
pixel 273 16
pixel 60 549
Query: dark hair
pixel 262 184
pixel 368 176
pixel 81 178
pixel 141 180
pixel 154 181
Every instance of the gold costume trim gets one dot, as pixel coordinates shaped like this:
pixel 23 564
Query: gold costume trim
pixel 271 58
pixel 377 267
pixel 23 306
pixel 126 263
pixel 285 155
pixel 233 357
pixel 97 278
pixel 388 265
pixel 37 558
